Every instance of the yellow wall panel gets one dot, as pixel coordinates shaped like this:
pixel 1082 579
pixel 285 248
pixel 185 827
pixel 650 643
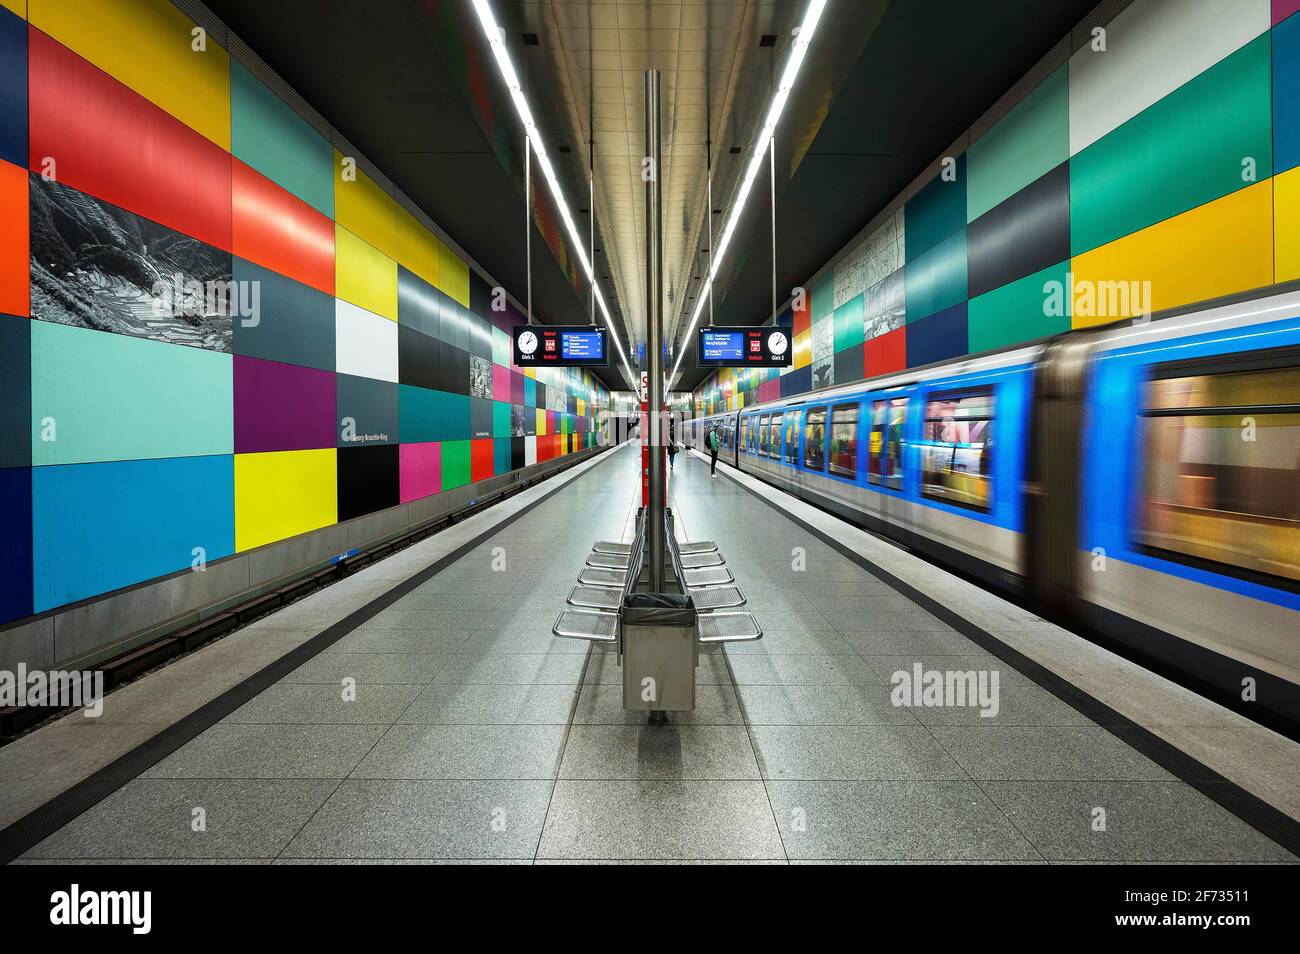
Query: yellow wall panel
pixel 1286 219
pixel 1219 248
pixel 17 6
pixel 365 209
pixel 541 422
pixel 364 275
pixel 453 275
pixel 417 249
pixel 147 44
pixel 282 494
pixel 802 356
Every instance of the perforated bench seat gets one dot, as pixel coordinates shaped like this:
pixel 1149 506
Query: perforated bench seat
pixel 587 624
pixel 717 597
pixel 609 546
pixel 700 546
pixel 613 561
pixel 728 628
pixel 597 597
pixel 707 576
pixel 693 561
pixel 596 576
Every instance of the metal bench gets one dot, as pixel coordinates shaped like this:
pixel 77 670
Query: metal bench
pixel 597 597
pixel 611 561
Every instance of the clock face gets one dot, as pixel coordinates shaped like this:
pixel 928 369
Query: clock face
pixel 528 342
pixel 777 343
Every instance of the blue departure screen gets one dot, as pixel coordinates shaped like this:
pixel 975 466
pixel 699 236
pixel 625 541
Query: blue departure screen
pixel 722 345
pixel 582 346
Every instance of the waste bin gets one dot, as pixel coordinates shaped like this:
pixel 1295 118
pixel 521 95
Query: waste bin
pixel 658 644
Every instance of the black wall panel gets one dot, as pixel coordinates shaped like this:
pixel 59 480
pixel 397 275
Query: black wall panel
pixel 368 480
pixel 15 392
pixel 295 322
pixel 372 408
pixel 516 453
pixel 480 418
pixel 1026 233
pixel 419 358
pixel 848 365
pixel 455 370
pixel 419 304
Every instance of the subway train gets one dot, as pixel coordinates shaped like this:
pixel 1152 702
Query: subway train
pixel 1138 483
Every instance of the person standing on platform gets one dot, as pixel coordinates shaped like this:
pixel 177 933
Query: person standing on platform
pixel 672 446
pixel 713 450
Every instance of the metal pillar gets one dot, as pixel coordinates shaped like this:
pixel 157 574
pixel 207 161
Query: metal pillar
pixel 656 552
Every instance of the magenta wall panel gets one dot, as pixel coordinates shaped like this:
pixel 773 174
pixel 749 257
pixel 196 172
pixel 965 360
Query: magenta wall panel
pixel 501 383
pixel 282 407
pixel 420 468
pixel 1283 9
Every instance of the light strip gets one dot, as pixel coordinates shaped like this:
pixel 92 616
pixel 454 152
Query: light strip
pixel 801 43
pixel 496 40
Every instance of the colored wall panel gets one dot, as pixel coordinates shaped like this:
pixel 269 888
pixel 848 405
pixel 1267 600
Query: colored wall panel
pixel 501 423
pixel 455 464
pixel 419 358
pixel 453 275
pixel 15 256
pixel 1284 8
pixel 884 354
pixel 15 392
pixel 149 46
pixel 363 275
pixel 502 347
pixel 16 543
pixel 481 456
pixel 480 417
pixel 369 480
pixel 848 368
pixel 13 80
pixel 1286 104
pixel 419 304
pixel 150 515
pixel 282 407
pixel 274 228
pixel 936 211
pixel 271 137
pixel 367 411
pixel 420 470
pixel 501 455
pixel 802 356
pixel 284 494
pixel 295 322
pixel 1026 233
pixel 18 7
pixel 1187 149
pixel 501 382
pixel 1286 220
pixel 417 249
pixel 1022 310
pixel 108 141
pixel 455 416
pixel 1153 48
pixel 1030 140
pixel 848 325
pixel 937 279
pixel 419 412
pixel 365 343
pixel 365 209
pixel 114 397
pixel 1216 249
pixel 937 338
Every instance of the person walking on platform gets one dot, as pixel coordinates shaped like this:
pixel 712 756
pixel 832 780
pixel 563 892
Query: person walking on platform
pixel 672 446
pixel 713 451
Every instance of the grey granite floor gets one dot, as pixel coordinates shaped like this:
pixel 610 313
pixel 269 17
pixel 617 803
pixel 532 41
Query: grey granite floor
pixel 453 726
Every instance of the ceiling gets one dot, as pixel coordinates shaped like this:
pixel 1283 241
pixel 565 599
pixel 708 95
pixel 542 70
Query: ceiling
pixel 885 87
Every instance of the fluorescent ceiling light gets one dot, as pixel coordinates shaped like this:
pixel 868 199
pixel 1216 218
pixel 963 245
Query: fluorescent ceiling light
pixel 802 41
pixel 496 40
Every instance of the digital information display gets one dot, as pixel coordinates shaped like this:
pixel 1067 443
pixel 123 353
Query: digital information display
pixel 766 347
pixel 560 346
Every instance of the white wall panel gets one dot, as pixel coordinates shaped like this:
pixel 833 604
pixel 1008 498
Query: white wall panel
pixel 365 343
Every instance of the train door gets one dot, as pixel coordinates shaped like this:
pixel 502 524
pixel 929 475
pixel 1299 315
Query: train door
pixel 1052 483
pixel 886 422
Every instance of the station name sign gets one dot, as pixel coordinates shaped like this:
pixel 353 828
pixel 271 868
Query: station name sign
pixel 560 346
pixel 764 347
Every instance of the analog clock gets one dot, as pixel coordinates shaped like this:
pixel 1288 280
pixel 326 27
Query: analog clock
pixel 528 342
pixel 777 343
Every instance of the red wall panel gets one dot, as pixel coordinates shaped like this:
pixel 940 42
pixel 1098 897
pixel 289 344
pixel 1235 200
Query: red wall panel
pixel 480 459
pixel 886 353
pixel 275 228
pixel 15 257
pixel 109 141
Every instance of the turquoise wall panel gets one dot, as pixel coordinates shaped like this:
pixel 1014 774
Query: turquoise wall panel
pixel 1031 307
pixel 98 396
pixel 937 211
pixel 937 278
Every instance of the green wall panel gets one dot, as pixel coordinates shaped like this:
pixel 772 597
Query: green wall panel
pixel 116 397
pixel 500 419
pixel 455 464
pixel 1029 141
pixel 823 296
pixel 937 278
pixel 936 212
pixel 848 324
pixel 1184 151
pixel 1017 312
pixel 277 142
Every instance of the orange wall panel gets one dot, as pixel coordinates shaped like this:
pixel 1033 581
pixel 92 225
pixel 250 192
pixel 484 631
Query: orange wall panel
pixel 15 257
pixel 275 228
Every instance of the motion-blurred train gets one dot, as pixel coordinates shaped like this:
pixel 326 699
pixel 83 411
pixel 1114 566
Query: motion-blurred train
pixel 1138 483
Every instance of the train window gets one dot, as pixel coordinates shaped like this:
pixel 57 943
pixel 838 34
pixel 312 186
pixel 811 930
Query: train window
pixel 1221 469
pixel 844 440
pixel 774 448
pixel 744 434
pixel 763 435
pixel 814 439
pixel 792 438
pixel 957 449
pixel 886 467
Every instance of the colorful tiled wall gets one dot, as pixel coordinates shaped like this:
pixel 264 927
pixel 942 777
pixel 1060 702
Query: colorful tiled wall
pixel 213 335
pixel 1171 156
